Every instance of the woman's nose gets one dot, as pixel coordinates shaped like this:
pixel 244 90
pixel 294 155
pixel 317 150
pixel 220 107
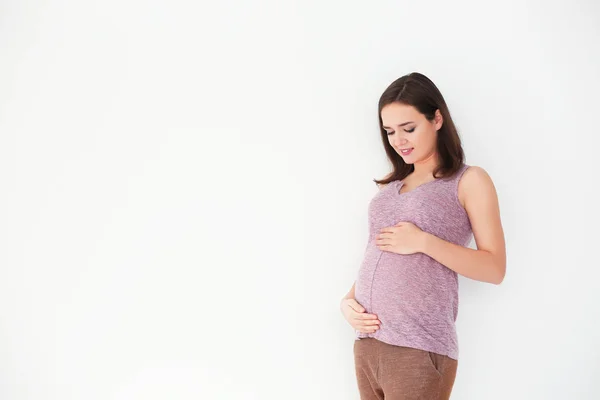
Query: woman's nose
pixel 400 142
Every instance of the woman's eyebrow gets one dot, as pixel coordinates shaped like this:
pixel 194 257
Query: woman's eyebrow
pixel 405 123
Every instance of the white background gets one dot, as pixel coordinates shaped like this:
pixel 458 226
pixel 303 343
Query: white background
pixel 185 189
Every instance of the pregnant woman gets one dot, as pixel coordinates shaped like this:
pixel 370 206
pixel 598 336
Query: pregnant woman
pixel 404 302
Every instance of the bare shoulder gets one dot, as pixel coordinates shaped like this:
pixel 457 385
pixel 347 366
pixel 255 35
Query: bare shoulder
pixel 475 182
pixel 475 175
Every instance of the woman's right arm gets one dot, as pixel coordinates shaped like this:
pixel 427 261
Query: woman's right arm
pixel 355 314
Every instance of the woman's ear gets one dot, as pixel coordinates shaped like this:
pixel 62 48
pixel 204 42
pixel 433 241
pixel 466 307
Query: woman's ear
pixel 439 120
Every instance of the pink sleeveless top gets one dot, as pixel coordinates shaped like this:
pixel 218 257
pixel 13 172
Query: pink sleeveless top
pixel 414 296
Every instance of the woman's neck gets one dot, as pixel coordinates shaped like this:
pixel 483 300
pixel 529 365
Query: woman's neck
pixel 424 168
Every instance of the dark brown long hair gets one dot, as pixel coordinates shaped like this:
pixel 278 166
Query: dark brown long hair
pixel 417 90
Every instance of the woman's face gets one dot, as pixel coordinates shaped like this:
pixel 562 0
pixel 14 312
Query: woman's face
pixel 409 130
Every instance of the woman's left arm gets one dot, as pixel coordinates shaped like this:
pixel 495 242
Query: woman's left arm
pixel 478 195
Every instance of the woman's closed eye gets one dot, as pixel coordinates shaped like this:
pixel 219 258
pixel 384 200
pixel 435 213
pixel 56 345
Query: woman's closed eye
pixel 406 130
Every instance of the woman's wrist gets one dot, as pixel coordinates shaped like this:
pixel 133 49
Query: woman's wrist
pixel 424 242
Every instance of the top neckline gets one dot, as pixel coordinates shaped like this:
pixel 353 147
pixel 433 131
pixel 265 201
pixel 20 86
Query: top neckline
pixel 400 183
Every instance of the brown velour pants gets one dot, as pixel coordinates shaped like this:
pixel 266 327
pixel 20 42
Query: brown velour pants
pixel 401 373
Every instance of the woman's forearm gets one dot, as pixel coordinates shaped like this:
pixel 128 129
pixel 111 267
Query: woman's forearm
pixel 480 265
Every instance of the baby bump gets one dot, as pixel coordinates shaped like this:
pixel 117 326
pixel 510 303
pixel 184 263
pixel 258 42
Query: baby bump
pixel 366 274
pixel 401 284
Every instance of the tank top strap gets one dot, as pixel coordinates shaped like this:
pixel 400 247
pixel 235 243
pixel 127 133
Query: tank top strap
pixel 454 180
pixel 460 172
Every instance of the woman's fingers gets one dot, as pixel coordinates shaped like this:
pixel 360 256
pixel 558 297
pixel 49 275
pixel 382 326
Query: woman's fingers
pixel 367 329
pixel 366 325
pixel 361 320
pixel 368 322
pixel 356 306
pixel 365 316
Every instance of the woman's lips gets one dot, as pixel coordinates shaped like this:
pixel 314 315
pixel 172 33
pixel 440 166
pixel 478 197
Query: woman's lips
pixel 407 152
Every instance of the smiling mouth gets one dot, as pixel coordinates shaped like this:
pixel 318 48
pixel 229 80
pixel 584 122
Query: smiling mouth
pixel 406 151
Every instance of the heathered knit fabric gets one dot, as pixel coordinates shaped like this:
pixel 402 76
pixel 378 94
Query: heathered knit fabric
pixel 414 296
